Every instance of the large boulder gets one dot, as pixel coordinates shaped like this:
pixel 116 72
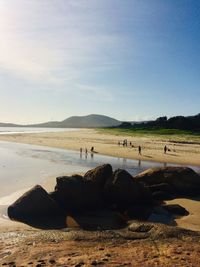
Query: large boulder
pixel 96 220
pixel 123 192
pixel 99 175
pixel 35 205
pixel 183 180
pixel 162 191
pixel 161 187
pixel 75 194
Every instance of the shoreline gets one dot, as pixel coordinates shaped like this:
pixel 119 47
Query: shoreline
pixel 107 144
pixel 22 244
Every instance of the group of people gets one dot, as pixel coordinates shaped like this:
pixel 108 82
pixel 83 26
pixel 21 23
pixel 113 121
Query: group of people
pixel 125 143
pixel 86 151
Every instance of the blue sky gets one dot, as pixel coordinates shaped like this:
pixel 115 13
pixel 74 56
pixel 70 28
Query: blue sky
pixel 130 59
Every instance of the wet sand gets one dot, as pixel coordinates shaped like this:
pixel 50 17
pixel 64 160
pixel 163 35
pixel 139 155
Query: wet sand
pixel 107 144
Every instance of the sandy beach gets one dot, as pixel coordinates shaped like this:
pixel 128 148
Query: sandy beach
pixel 107 144
pixel 18 241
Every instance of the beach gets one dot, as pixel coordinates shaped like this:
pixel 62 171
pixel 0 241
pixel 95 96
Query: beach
pixel 107 144
pixel 22 244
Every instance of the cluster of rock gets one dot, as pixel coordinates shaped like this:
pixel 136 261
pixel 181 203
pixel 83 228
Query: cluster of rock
pixel 170 182
pixel 103 198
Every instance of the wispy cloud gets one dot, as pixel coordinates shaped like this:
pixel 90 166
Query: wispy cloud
pixel 51 42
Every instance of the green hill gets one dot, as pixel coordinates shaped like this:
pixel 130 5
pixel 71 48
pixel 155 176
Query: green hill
pixel 89 121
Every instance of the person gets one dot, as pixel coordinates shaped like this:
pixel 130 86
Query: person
pixel 165 149
pixel 139 150
pixel 92 149
pixel 81 150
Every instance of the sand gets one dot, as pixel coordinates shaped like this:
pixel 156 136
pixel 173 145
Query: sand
pixel 19 245
pixel 107 144
pixel 191 221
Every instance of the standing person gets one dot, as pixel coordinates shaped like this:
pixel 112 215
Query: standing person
pixel 165 149
pixel 139 150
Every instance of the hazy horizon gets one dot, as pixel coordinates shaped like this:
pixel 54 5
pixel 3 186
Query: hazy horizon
pixel 60 120
pixel 129 60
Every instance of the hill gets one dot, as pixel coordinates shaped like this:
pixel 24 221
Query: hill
pixel 89 121
pixel 2 124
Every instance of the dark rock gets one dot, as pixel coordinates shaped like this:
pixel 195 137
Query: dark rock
pixel 176 209
pixel 139 212
pixel 161 195
pixel 164 187
pixel 35 203
pixel 99 220
pixel 124 191
pixel 99 175
pixel 76 194
pixel 183 180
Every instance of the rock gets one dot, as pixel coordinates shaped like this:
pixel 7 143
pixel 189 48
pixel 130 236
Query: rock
pixel 139 212
pixel 161 191
pixel 161 195
pixel 124 192
pixel 99 175
pixel 164 187
pixel 176 209
pixel 76 194
pixel 35 203
pixel 183 180
pixel 140 227
pixel 99 220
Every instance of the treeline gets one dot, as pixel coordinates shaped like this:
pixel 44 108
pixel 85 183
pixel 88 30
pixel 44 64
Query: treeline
pixel 178 122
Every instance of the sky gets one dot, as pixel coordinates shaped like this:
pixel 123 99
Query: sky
pixel 130 59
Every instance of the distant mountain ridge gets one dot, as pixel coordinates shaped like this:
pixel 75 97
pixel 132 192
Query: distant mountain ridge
pixel 89 121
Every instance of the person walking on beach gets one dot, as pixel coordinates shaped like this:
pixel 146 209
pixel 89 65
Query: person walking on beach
pixel 165 149
pixel 139 150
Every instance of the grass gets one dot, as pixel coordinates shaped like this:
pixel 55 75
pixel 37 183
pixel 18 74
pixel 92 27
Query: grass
pixel 168 134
